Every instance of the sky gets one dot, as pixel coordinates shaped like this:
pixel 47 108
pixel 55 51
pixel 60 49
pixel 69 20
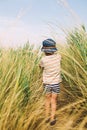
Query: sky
pixel 36 20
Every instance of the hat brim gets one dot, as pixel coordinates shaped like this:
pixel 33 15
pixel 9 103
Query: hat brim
pixel 49 50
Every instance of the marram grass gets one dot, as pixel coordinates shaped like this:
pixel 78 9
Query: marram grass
pixel 21 91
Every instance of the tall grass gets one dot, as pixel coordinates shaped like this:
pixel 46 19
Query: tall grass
pixel 74 63
pixel 18 75
pixel 74 72
pixel 22 97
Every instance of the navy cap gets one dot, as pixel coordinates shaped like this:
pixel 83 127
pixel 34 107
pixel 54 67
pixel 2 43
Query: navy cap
pixel 49 45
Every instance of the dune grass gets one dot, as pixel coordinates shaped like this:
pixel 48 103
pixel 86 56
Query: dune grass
pixel 22 96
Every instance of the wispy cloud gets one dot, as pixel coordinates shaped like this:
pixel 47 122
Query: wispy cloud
pixel 14 32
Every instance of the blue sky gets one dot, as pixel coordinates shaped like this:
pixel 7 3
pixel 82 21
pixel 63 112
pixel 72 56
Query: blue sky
pixel 36 20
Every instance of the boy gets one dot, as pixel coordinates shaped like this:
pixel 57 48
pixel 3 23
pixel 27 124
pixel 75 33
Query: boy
pixel 50 64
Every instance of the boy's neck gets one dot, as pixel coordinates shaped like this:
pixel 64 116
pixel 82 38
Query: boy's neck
pixel 48 54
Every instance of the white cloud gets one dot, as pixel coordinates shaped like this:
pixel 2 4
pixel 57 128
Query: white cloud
pixel 14 33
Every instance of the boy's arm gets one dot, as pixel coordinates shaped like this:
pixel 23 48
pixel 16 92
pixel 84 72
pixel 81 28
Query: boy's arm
pixel 41 65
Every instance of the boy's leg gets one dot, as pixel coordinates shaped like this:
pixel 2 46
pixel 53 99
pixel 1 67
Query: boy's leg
pixel 53 105
pixel 55 92
pixel 47 104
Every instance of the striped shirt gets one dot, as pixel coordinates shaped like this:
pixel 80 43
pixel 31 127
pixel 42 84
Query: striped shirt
pixel 51 71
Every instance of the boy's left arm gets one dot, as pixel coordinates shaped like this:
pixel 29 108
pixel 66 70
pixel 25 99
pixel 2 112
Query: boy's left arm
pixel 41 65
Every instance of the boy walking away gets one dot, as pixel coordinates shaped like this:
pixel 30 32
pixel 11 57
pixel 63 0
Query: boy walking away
pixel 50 64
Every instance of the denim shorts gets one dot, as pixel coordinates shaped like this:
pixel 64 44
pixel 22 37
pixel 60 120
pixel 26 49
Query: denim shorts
pixel 52 88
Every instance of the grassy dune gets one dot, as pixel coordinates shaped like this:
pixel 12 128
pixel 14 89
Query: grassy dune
pixel 22 96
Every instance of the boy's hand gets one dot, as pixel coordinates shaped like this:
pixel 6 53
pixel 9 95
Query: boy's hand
pixel 41 67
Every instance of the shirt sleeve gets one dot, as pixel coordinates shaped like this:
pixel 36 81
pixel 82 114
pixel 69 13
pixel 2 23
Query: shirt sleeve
pixel 41 64
pixel 59 57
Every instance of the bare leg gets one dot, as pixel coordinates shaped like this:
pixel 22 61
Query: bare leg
pixel 53 105
pixel 47 104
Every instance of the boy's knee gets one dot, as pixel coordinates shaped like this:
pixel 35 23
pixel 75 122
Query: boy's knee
pixel 48 96
pixel 54 97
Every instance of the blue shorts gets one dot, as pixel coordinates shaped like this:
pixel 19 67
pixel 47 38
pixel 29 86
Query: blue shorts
pixel 52 88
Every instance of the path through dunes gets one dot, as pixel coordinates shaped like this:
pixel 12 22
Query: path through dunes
pixel 70 114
